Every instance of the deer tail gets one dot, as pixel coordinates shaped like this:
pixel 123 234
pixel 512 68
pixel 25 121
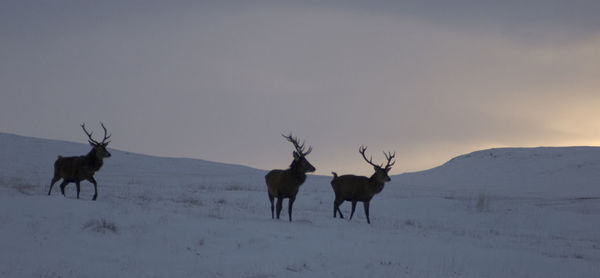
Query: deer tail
pixel 59 158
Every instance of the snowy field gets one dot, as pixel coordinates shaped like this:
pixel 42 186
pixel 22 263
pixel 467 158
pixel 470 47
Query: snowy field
pixel 493 213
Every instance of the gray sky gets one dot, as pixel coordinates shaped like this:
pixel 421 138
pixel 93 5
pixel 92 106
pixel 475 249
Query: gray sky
pixel 221 81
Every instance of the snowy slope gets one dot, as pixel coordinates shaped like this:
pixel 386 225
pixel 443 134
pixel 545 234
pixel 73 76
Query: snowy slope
pixel 566 171
pixel 494 213
pixel 32 159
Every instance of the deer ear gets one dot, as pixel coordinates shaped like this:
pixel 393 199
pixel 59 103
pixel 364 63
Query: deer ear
pixel 296 155
pixel 92 143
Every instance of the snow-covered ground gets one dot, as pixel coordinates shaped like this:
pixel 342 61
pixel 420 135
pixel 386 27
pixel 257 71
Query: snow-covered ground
pixel 493 213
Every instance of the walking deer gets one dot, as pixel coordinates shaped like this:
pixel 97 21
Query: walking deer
pixel 77 168
pixel 360 188
pixel 285 183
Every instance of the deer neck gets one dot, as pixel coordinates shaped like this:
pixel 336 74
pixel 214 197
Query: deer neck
pixel 94 162
pixel 376 185
pixel 298 175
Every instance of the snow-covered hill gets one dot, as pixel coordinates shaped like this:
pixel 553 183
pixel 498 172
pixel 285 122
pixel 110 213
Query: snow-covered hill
pixel 493 213
pixel 553 172
pixel 32 159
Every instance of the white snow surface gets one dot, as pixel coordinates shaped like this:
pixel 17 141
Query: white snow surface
pixel 520 212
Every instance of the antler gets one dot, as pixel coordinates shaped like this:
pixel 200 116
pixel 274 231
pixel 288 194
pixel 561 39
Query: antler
pixel 389 156
pixel 89 135
pixel 299 147
pixel 105 137
pixel 91 140
pixel 362 150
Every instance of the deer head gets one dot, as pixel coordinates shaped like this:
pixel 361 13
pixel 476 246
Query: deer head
pixel 99 147
pixel 300 162
pixel 381 172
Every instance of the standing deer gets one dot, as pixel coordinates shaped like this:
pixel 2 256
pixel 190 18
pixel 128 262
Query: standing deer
pixel 285 183
pixel 78 168
pixel 360 188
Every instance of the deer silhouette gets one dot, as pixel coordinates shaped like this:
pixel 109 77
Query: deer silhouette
pixel 77 168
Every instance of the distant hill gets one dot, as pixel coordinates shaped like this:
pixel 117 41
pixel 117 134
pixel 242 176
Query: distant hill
pixel 556 171
pixel 31 160
pixel 546 171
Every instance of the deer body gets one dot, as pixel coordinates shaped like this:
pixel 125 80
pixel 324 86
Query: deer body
pixel 78 168
pixel 283 184
pixel 355 189
pixel 292 180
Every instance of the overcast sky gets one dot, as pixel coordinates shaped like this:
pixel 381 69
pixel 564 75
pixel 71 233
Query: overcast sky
pixel 221 81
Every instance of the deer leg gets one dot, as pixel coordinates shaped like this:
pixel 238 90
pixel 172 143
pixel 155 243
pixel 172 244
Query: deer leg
pixel 340 212
pixel 54 180
pixel 366 204
pixel 62 187
pixel 336 208
pixel 271 198
pixel 290 203
pixel 279 206
pixel 92 180
pixel 78 188
pixel 353 208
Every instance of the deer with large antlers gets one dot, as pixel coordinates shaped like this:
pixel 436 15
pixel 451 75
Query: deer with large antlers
pixel 360 188
pixel 283 184
pixel 77 168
